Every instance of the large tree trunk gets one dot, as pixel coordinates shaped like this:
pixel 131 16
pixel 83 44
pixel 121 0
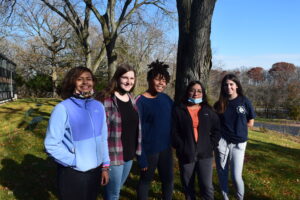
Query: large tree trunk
pixel 111 57
pixel 194 50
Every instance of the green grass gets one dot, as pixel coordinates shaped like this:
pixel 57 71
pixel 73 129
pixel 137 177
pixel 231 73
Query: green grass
pixel 271 168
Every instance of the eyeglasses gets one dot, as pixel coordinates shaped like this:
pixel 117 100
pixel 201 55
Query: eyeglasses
pixel 194 91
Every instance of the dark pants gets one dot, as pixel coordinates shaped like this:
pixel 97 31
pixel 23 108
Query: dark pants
pixel 76 185
pixel 203 168
pixel 163 161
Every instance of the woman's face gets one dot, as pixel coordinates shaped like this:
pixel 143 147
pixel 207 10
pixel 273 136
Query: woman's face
pixel 159 83
pixel 230 88
pixel 84 83
pixel 127 81
pixel 195 92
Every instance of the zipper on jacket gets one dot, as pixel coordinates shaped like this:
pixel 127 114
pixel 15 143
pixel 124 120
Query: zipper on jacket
pixel 93 130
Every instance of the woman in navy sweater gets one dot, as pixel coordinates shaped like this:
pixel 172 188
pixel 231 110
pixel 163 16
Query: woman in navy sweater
pixel 195 133
pixel 155 110
pixel 236 115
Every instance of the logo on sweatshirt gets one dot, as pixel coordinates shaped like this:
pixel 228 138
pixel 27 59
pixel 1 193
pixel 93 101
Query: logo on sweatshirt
pixel 241 110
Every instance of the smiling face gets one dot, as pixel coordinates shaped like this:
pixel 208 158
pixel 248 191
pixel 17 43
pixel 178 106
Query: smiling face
pixel 195 92
pixel 158 84
pixel 230 87
pixel 127 81
pixel 84 83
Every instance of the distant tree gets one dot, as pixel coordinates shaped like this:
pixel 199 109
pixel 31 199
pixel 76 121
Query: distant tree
pixel 194 47
pixel 213 88
pixel 6 8
pixel 39 85
pixel 256 74
pixel 52 34
pixel 282 72
pixel 113 18
pixel 146 42
pixel 292 103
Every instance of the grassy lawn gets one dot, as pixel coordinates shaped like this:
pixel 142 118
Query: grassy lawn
pixel 272 165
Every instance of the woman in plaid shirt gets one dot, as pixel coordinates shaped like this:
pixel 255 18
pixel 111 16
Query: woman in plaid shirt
pixel 124 133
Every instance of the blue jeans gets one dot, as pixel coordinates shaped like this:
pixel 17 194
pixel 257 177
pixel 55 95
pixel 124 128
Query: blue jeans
pixel 231 156
pixel 117 177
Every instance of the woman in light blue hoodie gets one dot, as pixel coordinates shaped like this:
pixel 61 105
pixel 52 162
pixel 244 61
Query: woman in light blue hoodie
pixel 76 138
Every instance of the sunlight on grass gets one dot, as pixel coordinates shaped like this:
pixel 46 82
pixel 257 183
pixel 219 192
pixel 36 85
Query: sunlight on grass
pixel 271 163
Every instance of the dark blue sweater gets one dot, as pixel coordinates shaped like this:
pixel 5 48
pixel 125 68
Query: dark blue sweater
pixel 234 120
pixel 155 115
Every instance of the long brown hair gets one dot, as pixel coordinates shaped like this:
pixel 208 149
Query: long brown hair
pixel 69 81
pixel 114 83
pixel 221 105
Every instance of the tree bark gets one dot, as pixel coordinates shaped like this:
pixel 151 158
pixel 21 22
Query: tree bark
pixel 194 50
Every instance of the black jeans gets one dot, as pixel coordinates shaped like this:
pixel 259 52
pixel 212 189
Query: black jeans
pixel 163 161
pixel 76 185
pixel 204 170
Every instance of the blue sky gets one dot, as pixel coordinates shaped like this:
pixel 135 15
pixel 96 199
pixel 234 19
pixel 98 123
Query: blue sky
pixel 253 33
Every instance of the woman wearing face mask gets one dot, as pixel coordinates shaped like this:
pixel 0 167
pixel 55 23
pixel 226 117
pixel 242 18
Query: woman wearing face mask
pixel 77 138
pixel 124 133
pixel 236 115
pixel 155 109
pixel 195 133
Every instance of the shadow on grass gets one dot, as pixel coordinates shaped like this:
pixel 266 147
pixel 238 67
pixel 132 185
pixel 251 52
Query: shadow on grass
pixel 277 162
pixel 29 112
pixel 271 155
pixel 33 179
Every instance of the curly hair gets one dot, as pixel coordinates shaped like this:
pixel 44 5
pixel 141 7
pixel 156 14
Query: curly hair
pixel 160 69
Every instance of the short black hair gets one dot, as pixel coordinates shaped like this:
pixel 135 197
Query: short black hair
pixel 158 68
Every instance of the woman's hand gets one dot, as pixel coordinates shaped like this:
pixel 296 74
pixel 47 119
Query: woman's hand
pixel 104 177
pixel 144 169
pixel 250 123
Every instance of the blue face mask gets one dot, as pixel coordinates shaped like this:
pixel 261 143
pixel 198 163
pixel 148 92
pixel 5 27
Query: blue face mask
pixel 195 101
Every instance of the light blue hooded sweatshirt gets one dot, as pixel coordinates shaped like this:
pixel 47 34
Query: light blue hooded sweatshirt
pixel 77 134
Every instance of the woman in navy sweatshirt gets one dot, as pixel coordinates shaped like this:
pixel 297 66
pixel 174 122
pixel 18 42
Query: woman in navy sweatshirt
pixel 236 115
pixel 196 132
pixel 155 110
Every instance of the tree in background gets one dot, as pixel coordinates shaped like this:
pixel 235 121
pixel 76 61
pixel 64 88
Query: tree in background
pixel 293 100
pixel 52 35
pixel 194 47
pixel 113 18
pixel 256 75
pixel 44 45
pixel 274 92
pixel 282 72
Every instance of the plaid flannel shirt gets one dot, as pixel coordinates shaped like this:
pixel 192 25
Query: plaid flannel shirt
pixel 114 124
